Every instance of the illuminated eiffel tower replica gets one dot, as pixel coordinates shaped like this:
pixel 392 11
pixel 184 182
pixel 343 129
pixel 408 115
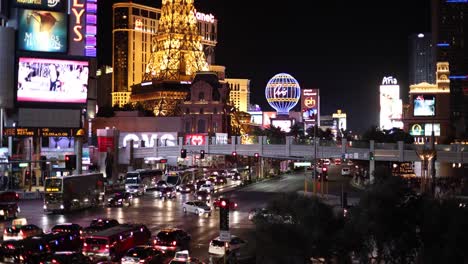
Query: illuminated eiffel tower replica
pixel 177 54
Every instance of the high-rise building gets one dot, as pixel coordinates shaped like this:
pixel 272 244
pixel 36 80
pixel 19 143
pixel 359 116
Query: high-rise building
pixel 134 30
pixel 239 93
pixel 449 42
pixel 421 59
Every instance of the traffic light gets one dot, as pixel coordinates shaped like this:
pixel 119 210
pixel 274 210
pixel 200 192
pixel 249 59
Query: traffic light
pixel 224 214
pixel 202 154
pixel 183 153
pixel 70 162
pixel 257 156
pixel 371 156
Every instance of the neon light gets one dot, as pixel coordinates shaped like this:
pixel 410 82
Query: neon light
pixel 443 45
pixel 457 1
pixel 460 77
pixel 282 93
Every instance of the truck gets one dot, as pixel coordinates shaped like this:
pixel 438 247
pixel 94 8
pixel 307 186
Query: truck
pixel 74 192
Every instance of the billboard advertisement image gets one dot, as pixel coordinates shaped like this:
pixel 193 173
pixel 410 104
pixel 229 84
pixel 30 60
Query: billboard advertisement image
pixel 391 107
pixel 424 105
pixel 310 104
pixel 52 81
pixel 43 31
pixel 285 125
pixel 56 5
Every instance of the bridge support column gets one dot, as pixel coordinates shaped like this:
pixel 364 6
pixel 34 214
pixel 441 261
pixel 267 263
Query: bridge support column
pixel 401 151
pixel 371 163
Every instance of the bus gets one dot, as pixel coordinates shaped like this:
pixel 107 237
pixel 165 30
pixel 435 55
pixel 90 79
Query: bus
pixel 113 243
pixel 174 178
pixel 73 192
pixel 144 178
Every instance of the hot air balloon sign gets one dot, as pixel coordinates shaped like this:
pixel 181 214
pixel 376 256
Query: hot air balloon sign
pixel 282 93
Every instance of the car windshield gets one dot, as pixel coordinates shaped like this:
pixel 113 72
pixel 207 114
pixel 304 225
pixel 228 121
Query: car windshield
pixel 217 243
pixel 96 241
pixel 138 252
pixel 166 236
pixel 133 187
pixel 199 203
pixel 202 193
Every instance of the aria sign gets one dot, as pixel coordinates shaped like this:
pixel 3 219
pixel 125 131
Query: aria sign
pixel 164 139
pixel 389 81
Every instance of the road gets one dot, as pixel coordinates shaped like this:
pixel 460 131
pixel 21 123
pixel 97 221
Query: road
pixel 157 214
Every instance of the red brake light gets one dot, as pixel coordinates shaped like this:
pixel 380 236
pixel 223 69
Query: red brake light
pixel 107 246
pixel 54 261
pixel 174 243
pixel 85 245
pixel 223 203
pixel 324 169
pixel 235 205
pixel 21 233
pixel 5 232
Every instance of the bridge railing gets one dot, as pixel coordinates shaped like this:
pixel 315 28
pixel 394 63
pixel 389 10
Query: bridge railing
pixel 292 148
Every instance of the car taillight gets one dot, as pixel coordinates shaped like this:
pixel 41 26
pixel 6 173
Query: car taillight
pixel 174 243
pixel 10 246
pixel 54 261
pixel 235 205
pixel 21 233
pixel 107 246
pixel 5 232
pixel 85 245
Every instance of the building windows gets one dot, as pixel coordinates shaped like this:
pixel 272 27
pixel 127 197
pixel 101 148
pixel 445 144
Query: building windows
pixel 201 96
pixel 201 111
pixel 201 128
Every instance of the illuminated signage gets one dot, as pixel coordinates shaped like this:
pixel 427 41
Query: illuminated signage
pixel 56 5
pixel 424 105
pixel 416 130
pixel 52 189
pixel 54 132
pixel 25 132
pixel 428 129
pixel 195 139
pixel 391 107
pixel 83 28
pixel 310 105
pixel 204 17
pixel 52 81
pixel 389 80
pixel 284 125
pixel 44 31
pixel 149 138
pixel 138 24
pixel 41 132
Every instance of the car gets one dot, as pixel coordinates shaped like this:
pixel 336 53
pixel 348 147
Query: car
pixel 161 184
pixel 18 232
pixel 9 207
pixel 207 187
pixel 100 224
pixel 69 228
pixel 197 207
pixel 66 257
pixel 218 247
pixel 199 183
pixel 183 257
pixel 236 176
pixel 337 161
pixel 167 193
pixel 269 216
pixel 172 239
pixel 185 188
pixel 346 171
pixel 326 162
pixel 350 163
pixel 220 180
pixel 120 199
pixel 135 189
pixel 142 254
pixel 202 196
pixel 217 204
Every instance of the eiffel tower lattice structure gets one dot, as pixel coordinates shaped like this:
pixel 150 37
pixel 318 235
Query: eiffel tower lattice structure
pixel 177 51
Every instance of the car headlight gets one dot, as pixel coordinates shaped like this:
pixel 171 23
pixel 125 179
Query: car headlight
pixel 199 197
pixel 109 200
pixel 208 197
pixel 187 189
pixel 2 212
pixel 120 200
pixel 62 207
pixel 45 207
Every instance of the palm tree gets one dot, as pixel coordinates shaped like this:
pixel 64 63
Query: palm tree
pixel 297 131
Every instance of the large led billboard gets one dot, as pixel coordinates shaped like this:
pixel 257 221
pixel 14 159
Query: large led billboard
pixel 56 5
pixel 43 31
pixel 424 105
pixel 52 81
pixel 424 129
pixel 391 107
pixel 310 105
pixel 285 125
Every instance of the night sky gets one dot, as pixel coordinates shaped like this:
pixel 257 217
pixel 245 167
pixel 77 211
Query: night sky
pixel 344 48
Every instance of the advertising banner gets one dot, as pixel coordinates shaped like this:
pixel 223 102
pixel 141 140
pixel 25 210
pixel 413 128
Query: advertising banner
pixel 52 81
pixel 195 139
pixel 43 31
pixel 148 139
pixel 391 108
pixel 83 28
pixel 105 143
pixel 285 125
pixel 310 104
pixel 424 105
pixel 54 5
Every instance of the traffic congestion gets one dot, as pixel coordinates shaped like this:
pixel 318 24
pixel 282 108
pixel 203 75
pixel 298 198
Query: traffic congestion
pixel 106 239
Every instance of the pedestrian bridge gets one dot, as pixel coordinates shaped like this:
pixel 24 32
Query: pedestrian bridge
pixel 292 149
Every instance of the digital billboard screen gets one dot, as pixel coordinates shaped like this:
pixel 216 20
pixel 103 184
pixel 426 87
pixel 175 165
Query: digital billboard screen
pixel 285 125
pixel 56 5
pixel 52 81
pixel 43 31
pixel 424 105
